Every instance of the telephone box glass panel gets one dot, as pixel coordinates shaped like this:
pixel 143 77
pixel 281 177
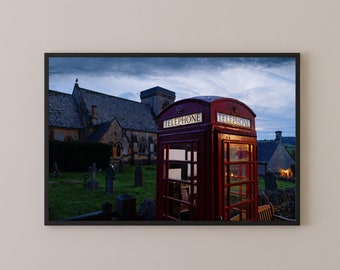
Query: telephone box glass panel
pixel 180 180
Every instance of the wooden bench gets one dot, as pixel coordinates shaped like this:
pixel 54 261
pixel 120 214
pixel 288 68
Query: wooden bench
pixel 266 213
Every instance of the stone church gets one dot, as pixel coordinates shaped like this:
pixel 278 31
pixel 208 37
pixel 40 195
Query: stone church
pixel 129 127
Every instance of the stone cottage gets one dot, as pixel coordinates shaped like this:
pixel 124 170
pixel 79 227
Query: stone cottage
pixel 273 156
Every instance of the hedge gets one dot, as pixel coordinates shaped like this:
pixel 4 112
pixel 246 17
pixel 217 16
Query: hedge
pixel 77 155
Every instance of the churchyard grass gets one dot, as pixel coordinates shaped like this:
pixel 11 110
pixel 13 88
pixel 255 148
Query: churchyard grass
pixel 281 184
pixel 68 196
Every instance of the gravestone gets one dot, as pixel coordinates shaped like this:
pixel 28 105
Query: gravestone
pixel 56 172
pixel 109 179
pixel 92 184
pixel 120 165
pixel 138 176
pixel 270 181
pixel 147 210
pixel 125 207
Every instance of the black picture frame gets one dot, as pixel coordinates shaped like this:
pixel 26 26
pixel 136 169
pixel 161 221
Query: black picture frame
pixel 62 108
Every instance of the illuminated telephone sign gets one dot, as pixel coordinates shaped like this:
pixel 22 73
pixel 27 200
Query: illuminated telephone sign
pixel 183 120
pixel 233 120
pixel 206 161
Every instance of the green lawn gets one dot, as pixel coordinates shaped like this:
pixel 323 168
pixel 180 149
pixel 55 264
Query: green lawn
pixel 280 184
pixel 68 197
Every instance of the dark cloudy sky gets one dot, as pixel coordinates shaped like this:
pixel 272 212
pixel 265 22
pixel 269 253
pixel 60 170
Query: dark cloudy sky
pixel 265 84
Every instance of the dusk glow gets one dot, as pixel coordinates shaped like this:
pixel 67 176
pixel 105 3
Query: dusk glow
pixel 266 84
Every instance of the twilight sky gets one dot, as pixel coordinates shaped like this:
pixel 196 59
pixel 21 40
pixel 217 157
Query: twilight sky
pixel 265 84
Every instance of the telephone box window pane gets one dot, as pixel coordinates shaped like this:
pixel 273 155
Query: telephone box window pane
pixel 239 172
pixel 164 153
pixel 183 151
pixel 226 174
pixel 239 152
pixel 164 171
pixel 225 152
pixel 178 171
pixel 238 193
pixel 175 190
pixel 181 211
pixel 177 154
pixel 195 171
pixel 180 151
pixel 180 174
pixel 239 213
pixel 179 206
pixel 175 174
pixel 194 153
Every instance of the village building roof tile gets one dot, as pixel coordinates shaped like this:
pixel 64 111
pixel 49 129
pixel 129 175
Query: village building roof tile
pixel 265 150
pixel 62 111
pixel 131 115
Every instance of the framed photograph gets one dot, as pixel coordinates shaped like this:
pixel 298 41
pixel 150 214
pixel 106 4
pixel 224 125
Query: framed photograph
pixel 172 139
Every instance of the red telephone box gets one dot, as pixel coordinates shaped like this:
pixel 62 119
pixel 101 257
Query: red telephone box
pixel 206 162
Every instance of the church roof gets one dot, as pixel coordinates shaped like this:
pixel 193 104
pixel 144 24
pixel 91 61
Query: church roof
pixel 130 114
pixel 62 111
pixel 99 132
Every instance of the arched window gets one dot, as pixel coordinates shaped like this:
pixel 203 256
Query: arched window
pixel 112 149
pixel 142 146
pixel 119 149
pixel 116 149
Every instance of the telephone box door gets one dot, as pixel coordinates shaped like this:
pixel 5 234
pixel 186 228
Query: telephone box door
pixel 178 179
pixel 237 177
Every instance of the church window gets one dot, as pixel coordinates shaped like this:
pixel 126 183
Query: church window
pixel 142 146
pixel 118 149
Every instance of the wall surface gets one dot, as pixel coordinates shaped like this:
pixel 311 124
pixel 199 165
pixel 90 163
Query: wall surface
pixel 30 28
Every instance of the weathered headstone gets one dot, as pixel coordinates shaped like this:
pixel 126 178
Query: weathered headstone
pixel 138 176
pixel 147 210
pixel 120 165
pixel 109 179
pixel 56 171
pixel 270 181
pixel 125 207
pixel 93 184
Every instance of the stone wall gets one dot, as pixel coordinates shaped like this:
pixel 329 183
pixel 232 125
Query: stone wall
pixel 284 201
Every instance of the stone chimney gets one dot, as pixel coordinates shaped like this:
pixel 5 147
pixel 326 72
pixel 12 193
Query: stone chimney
pixel 278 135
pixel 94 115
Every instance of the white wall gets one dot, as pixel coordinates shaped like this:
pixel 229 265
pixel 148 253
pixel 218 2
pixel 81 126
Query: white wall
pixel 30 28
